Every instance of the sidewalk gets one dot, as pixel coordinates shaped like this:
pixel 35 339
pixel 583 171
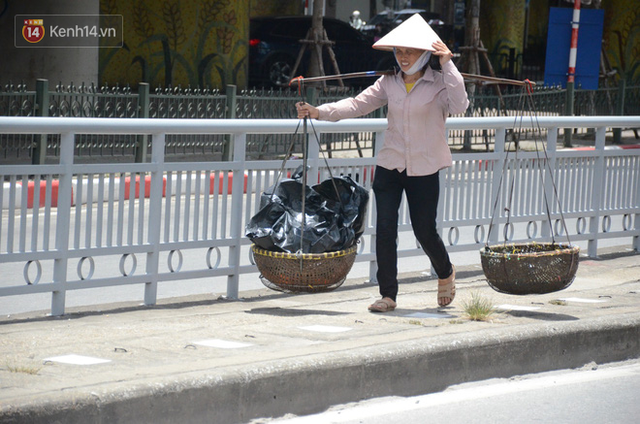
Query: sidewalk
pixel 210 360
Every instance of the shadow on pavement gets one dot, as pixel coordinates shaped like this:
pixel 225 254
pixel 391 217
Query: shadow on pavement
pixel 542 316
pixel 284 312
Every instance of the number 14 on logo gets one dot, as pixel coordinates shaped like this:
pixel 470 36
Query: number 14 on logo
pixel 33 30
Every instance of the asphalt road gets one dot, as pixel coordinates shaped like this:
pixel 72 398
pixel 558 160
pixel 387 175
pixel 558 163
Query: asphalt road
pixel 592 394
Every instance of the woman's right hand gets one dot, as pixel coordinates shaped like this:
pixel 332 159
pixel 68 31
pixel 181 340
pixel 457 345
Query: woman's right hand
pixel 305 110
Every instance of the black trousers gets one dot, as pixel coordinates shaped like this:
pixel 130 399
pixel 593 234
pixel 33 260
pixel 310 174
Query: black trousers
pixel 422 198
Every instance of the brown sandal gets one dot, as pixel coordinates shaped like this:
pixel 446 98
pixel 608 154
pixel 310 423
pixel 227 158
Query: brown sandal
pixel 383 305
pixel 447 289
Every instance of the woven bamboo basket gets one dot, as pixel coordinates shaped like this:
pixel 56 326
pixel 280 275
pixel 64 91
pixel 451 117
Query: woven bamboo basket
pixel 530 268
pixel 303 273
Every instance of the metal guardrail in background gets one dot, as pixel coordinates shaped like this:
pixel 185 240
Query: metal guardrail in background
pixel 175 103
pixel 74 226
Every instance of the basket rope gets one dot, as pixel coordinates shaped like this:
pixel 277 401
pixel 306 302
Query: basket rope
pixel 304 172
pixel 529 268
pixel 304 272
pixel 526 102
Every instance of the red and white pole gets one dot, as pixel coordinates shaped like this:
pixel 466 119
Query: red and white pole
pixel 571 78
pixel 573 52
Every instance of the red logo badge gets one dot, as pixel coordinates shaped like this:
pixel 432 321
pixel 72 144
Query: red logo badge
pixel 33 30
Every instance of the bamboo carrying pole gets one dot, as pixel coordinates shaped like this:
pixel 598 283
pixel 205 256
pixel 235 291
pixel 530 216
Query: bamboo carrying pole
pixel 482 78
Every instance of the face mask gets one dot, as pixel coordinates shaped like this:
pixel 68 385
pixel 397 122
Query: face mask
pixel 419 64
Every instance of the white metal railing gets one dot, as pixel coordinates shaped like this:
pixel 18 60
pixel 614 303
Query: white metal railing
pixel 141 220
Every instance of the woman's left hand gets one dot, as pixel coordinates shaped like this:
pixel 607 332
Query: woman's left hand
pixel 443 51
pixel 305 110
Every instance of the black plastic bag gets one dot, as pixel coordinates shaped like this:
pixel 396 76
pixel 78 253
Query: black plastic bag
pixel 334 216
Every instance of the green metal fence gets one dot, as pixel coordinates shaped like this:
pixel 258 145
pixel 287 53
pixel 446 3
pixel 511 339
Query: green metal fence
pixel 176 102
pixel 15 100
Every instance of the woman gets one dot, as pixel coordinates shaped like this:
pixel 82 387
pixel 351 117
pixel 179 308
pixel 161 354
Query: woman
pixel 415 148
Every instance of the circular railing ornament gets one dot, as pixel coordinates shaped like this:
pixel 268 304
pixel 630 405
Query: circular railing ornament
pixel 218 257
pixel 27 278
pixel 134 264
pixel 92 268
pixel 170 261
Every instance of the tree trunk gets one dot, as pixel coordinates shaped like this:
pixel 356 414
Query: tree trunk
pixel 316 50
pixel 472 39
pixel 473 36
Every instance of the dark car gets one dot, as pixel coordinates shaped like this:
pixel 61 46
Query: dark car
pixel 274 45
pixel 390 19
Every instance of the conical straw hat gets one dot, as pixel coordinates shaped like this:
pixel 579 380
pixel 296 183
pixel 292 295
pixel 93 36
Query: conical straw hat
pixel 413 33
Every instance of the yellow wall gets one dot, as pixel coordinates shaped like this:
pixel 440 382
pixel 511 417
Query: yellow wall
pixel 621 36
pixel 201 43
pixel 502 25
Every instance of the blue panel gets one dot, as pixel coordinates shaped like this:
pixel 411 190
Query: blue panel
pixel 559 43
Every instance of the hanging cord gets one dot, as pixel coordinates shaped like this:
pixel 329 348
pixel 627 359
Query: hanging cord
pixel 538 130
pixel 289 154
pixel 538 139
pixel 305 142
pixel 304 171
pixel 515 142
pixel 304 188
pixel 304 165
pixel 526 100
pixel 516 145
pixel 326 162
pixel 300 81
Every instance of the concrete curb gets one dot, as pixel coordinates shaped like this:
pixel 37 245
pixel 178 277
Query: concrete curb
pixel 314 382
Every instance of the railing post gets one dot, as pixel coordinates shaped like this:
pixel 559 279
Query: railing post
pixel 373 265
pixel 378 113
pixel 492 234
pixel 549 193
pixel 622 88
pixel 598 188
pixel 155 218
pixel 237 196
pixel 311 95
pixel 143 112
pixel 232 100
pixel 313 144
pixel 467 135
pixel 42 109
pixel 568 111
pixel 636 239
pixel 63 229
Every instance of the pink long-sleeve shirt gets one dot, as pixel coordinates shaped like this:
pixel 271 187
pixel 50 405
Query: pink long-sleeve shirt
pixel 415 138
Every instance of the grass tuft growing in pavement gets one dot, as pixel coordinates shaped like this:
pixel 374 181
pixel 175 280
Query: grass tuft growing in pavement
pixel 478 308
pixel 22 369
